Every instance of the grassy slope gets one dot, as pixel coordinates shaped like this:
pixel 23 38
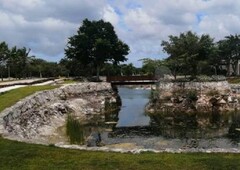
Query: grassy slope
pixel 17 155
pixel 11 97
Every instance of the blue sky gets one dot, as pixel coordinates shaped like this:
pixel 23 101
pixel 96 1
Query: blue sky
pixel 45 25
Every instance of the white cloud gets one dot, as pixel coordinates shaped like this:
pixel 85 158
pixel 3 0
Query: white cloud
pixel 45 25
pixel 21 4
pixel 220 26
pixel 110 15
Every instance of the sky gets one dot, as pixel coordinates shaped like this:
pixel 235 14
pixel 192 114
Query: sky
pixel 44 26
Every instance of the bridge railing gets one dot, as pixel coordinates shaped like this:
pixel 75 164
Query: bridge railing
pixel 130 78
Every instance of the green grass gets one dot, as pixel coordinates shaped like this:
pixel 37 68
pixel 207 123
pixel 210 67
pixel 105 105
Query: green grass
pixel 11 97
pixel 17 155
pixel 69 81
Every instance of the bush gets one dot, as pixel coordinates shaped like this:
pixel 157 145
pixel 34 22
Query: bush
pixel 192 95
pixel 154 96
pixel 212 93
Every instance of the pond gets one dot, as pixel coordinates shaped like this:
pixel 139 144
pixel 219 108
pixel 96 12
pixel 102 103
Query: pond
pixel 132 128
pixel 132 110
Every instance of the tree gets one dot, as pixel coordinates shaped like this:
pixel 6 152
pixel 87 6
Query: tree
pixel 175 65
pixel 187 50
pixel 96 43
pixel 110 69
pixel 128 69
pixel 150 65
pixel 3 57
pixel 230 52
pixel 215 60
pixel 18 61
pixel 23 61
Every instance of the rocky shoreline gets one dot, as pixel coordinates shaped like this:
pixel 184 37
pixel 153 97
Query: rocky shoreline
pixel 193 97
pixel 138 151
pixel 41 117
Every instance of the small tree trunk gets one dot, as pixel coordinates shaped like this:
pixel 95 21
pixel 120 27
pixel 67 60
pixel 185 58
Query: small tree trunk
pixel 98 70
pixel 40 74
pixel 174 74
pixel 216 70
pixel 228 69
pixel 9 72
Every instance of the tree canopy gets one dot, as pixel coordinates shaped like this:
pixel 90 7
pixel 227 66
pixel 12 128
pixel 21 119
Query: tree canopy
pixel 95 44
pixel 187 51
pixel 229 51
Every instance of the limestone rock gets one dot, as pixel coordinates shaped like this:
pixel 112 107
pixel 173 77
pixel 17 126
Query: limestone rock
pixel 230 100
pixel 41 114
pixel 222 101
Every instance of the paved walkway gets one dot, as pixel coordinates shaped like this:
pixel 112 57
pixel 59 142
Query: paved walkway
pixel 5 89
pixel 28 81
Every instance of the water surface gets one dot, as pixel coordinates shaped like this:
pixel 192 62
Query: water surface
pixel 132 110
pixel 181 131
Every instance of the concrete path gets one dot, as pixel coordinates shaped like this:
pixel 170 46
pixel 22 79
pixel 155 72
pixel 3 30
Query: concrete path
pixel 14 82
pixel 5 89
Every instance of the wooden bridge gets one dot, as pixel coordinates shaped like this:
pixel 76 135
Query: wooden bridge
pixel 131 80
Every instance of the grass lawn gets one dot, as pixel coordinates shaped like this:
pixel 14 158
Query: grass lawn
pixel 18 155
pixel 69 81
pixel 11 97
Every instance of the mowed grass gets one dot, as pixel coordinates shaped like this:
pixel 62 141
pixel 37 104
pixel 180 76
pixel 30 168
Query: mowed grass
pixel 70 81
pixel 11 97
pixel 18 155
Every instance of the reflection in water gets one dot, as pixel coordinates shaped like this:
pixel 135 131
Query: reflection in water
pixel 132 110
pixel 234 130
pixel 161 131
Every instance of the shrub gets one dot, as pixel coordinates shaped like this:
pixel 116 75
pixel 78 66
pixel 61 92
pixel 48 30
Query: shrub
pixel 212 92
pixel 192 95
pixel 154 95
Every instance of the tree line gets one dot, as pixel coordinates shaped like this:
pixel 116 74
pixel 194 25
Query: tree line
pixel 17 63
